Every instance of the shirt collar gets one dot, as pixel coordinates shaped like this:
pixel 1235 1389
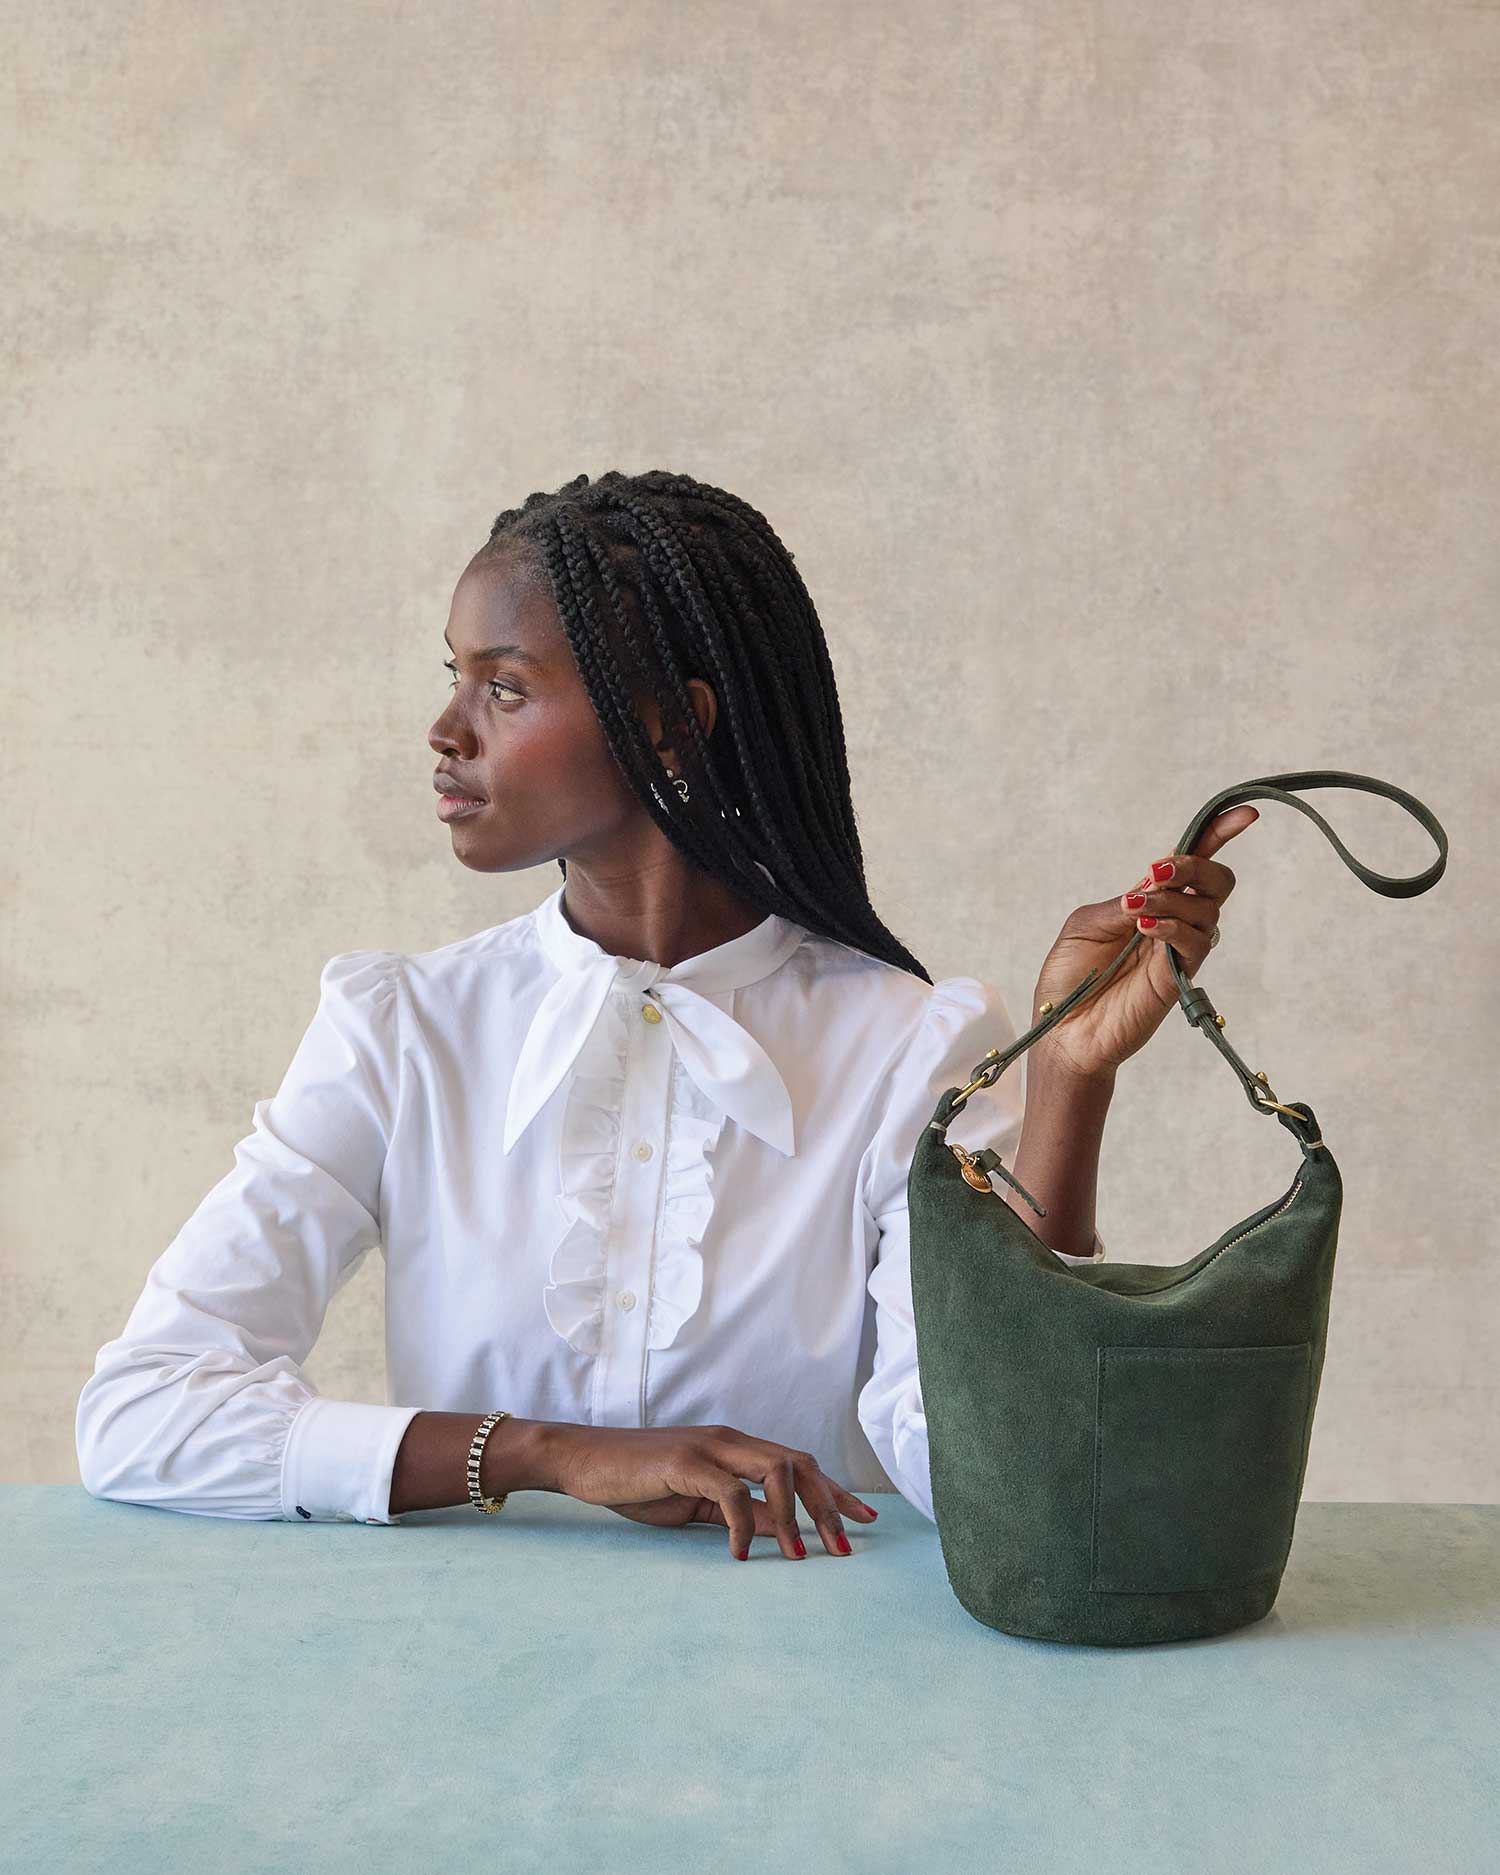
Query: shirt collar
pixel 723 1058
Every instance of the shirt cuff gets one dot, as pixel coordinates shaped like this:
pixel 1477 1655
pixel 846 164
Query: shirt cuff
pixel 339 1459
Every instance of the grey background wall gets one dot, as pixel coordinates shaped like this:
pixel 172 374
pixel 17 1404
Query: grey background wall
pixel 1122 376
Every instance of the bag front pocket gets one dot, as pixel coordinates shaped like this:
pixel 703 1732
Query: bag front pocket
pixel 1197 1455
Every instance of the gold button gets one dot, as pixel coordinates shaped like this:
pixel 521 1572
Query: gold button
pixel 650 1013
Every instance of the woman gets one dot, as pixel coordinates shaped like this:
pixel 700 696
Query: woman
pixel 637 1159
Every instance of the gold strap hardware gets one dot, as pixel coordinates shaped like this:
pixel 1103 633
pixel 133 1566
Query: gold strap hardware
pixel 981 1080
pixel 1270 1100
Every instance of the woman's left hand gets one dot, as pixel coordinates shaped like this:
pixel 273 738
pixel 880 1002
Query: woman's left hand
pixel 1110 1025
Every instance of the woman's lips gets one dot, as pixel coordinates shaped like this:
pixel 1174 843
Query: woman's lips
pixel 455 806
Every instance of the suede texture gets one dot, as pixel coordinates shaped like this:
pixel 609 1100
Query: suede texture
pixel 1118 1449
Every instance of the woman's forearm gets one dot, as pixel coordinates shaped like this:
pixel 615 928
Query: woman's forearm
pixel 431 1471
pixel 1057 1159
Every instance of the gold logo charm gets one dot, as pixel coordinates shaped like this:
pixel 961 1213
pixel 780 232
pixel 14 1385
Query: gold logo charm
pixel 973 1172
pixel 977 1168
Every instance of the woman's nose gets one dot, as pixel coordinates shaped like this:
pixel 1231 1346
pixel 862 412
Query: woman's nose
pixel 447 733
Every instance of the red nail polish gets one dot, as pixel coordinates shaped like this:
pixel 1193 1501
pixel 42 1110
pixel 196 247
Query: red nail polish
pixel 844 1545
pixel 799 1546
pixel 1162 869
pixel 1135 900
pixel 1146 924
pixel 743 1555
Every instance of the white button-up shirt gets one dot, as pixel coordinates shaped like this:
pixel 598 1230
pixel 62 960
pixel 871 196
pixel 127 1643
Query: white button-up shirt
pixel 605 1192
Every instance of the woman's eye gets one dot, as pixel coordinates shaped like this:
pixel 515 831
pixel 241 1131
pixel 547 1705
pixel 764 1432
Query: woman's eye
pixel 495 684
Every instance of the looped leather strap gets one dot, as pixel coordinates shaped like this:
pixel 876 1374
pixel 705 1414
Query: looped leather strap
pixel 1195 1002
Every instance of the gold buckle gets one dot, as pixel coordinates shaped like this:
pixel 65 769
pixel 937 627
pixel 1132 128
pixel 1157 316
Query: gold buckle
pixel 980 1080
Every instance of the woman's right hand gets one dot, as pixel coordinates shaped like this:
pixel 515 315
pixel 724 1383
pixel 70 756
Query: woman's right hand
pixel 675 1475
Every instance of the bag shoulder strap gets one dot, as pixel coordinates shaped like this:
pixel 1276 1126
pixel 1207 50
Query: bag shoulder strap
pixel 1195 1002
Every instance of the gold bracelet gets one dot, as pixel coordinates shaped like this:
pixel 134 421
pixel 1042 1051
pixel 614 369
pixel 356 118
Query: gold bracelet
pixel 476 1451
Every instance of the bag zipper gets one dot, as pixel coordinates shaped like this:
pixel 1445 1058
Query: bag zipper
pixel 1297 1186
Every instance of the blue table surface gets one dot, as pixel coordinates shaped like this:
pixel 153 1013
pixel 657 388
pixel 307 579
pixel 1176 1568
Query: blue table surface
pixel 556 1688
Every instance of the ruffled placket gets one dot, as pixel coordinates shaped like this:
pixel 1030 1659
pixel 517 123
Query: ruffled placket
pixel 650 1065
pixel 589 1158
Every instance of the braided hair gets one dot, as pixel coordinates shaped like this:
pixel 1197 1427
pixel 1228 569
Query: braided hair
pixel 657 578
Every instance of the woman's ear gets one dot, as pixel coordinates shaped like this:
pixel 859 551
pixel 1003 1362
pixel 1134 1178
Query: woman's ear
pixel 675 750
pixel 705 704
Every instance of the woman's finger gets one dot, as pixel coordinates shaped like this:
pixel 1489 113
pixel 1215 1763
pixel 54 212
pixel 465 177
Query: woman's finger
pixel 1181 908
pixel 1225 826
pixel 780 1485
pixel 828 1504
pixel 1191 944
pixel 746 1515
pixel 1206 877
pixel 736 1506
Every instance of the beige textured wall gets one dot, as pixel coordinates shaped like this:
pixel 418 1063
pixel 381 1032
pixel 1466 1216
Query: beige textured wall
pixel 1124 379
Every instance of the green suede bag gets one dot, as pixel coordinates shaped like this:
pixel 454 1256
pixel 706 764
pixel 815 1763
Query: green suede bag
pixel 1117 1449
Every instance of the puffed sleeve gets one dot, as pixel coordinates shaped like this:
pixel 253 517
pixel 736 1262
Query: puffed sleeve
pixel 961 1021
pixel 200 1404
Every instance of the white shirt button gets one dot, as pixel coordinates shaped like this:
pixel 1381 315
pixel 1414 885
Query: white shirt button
pixel 650 1013
pixel 643 1149
pixel 626 1298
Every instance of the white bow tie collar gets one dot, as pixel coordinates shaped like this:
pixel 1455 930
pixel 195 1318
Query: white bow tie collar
pixel 724 1060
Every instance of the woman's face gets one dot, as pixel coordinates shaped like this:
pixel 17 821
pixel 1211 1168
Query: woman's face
pixel 519 735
